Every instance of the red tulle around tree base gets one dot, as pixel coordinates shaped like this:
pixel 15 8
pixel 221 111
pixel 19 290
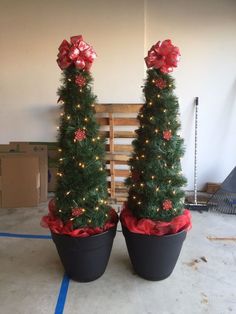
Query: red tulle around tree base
pixel 56 225
pixel 155 227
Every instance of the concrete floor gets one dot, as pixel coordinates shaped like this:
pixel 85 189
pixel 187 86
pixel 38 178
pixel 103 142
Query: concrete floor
pixel 204 280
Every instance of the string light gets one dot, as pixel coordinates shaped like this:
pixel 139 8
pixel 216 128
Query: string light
pixel 97 158
pixel 78 106
pixel 97 189
pixel 68 117
pixel 157 189
pixel 93 140
pixel 169 181
pixel 141 184
pixel 158 209
pixel 147 141
pixel 60 211
pixel 151 118
pixel 134 197
pixel 59 174
pixel 156 131
pixel 83 198
pixel 164 110
pixel 96 208
pixel 89 221
pixel 86 119
pixel 61 114
pixel 92 105
pixel 170 85
pixel 60 150
pixel 158 156
pixel 67 193
pixel 143 156
pixel 58 128
pixel 158 96
pixel 153 177
pixel 61 159
pixel 106 215
pixel 69 80
pixel 174 192
pixel 150 103
pixel 72 219
pixel 98 138
pixel 139 203
pixel 101 169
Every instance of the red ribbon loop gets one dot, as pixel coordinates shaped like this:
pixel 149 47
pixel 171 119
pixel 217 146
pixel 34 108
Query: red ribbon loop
pixel 163 56
pixel 77 52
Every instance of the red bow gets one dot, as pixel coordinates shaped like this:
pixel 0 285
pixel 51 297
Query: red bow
pixel 78 52
pixel 163 56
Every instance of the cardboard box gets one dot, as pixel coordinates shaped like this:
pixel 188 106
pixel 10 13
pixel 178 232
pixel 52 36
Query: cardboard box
pixel 40 151
pixel 212 187
pixel 20 180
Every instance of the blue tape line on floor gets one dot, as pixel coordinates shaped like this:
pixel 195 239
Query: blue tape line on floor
pixel 62 295
pixel 24 236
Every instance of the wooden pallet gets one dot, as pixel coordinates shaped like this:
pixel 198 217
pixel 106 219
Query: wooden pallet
pixel 113 118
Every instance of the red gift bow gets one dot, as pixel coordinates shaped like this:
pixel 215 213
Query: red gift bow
pixel 163 56
pixel 78 52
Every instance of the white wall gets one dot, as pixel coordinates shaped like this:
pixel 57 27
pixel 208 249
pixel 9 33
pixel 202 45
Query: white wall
pixel 121 32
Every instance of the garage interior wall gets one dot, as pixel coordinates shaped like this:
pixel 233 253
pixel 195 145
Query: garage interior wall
pixel 121 33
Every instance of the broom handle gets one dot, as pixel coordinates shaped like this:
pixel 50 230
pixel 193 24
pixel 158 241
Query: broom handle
pixel 195 150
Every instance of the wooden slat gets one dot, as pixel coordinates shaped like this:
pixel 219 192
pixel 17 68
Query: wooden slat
pixel 118 108
pixel 118 157
pixel 120 184
pixel 126 121
pixel 120 148
pixel 124 134
pixel 119 121
pixel 118 134
pixel 122 173
pixel 123 148
pixel 103 121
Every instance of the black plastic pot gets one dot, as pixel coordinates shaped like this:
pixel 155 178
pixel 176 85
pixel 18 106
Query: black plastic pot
pixel 153 257
pixel 85 259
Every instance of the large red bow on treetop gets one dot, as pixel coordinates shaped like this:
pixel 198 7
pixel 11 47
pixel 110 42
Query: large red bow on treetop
pixel 163 56
pixel 77 52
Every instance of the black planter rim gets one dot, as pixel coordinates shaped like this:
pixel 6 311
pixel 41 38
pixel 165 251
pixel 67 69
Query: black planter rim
pixel 84 238
pixel 153 235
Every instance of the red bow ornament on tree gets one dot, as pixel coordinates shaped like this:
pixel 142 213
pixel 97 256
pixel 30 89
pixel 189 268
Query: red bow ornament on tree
pixel 163 56
pixel 77 52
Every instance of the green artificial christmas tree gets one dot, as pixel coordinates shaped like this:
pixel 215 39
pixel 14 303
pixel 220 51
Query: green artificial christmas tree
pixel 156 179
pixel 154 221
pixel 81 192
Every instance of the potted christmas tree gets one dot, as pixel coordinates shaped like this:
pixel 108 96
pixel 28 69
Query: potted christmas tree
pixel 154 220
pixel 82 224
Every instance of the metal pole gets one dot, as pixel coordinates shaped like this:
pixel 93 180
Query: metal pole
pixel 195 150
